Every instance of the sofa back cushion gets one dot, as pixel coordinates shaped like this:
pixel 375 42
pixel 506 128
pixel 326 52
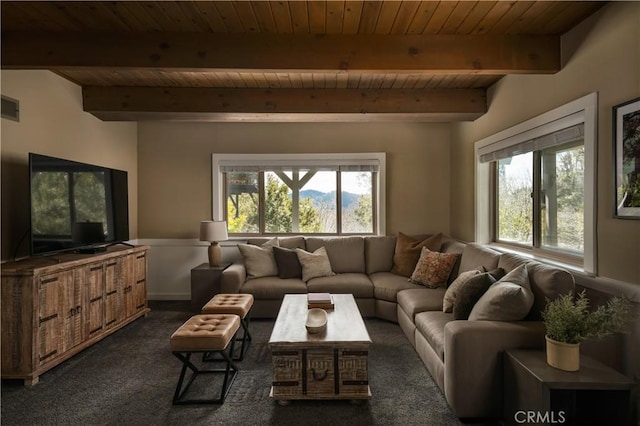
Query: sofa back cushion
pixel 378 252
pixel 287 242
pixel 475 255
pixel 346 254
pixel 450 245
pixel 407 252
pixel 547 282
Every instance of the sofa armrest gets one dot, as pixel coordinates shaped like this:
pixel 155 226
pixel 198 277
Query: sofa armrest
pixel 233 277
pixel 473 354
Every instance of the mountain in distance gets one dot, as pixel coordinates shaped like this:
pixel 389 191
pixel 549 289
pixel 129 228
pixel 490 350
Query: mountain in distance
pixel 318 197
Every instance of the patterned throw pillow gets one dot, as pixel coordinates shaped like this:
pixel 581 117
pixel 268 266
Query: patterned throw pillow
pixel 433 268
pixel 456 285
pixel 314 264
pixel 408 251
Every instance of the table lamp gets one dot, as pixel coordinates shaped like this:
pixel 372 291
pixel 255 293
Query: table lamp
pixel 213 232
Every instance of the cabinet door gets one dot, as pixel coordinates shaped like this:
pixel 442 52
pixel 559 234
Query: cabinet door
pixel 114 300
pixel 140 285
pixel 71 311
pixel 127 282
pixel 50 316
pixel 90 279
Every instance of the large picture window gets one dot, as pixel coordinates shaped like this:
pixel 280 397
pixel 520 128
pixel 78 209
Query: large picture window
pixel 540 198
pixel 535 186
pixel 290 194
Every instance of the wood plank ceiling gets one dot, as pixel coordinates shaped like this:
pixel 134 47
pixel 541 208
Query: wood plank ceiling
pixel 287 60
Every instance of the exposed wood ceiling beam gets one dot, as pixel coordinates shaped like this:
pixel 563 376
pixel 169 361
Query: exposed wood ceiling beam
pixel 147 103
pixel 460 54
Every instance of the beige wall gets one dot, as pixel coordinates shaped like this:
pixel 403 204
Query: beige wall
pixel 175 167
pixel 601 55
pixel 52 123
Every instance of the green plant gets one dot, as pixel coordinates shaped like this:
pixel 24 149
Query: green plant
pixel 570 320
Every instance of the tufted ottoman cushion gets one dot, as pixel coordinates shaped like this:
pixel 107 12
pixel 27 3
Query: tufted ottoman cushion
pixel 239 304
pixel 208 332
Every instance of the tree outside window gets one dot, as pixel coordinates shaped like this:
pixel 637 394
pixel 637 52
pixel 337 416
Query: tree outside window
pixel 304 201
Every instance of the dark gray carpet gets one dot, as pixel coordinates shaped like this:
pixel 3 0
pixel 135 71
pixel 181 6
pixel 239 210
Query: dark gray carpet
pixel 129 379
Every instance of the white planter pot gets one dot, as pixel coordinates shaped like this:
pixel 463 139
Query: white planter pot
pixel 563 356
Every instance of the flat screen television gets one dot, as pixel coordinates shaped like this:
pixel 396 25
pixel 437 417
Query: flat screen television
pixel 75 206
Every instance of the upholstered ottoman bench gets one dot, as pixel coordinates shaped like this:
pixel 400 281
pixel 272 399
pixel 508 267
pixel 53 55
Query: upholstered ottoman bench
pixel 208 335
pixel 238 304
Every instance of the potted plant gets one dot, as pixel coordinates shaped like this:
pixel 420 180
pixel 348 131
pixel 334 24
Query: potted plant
pixel 569 321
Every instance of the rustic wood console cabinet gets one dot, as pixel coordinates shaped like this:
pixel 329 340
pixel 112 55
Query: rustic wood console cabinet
pixel 55 306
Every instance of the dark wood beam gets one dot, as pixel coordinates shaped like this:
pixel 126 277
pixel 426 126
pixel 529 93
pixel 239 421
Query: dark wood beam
pixel 460 54
pixel 146 103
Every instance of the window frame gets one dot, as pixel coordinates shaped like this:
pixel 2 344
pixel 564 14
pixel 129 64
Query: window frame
pixel 582 110
pixel 303 160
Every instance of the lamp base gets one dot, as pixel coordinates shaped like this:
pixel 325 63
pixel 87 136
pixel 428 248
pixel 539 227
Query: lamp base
pixel 215 254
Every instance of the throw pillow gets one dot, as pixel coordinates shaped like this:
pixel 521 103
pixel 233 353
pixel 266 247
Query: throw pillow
pixel 288 263
pixel 258 260
pixel 433 268
pixel 314 264
pixel 408 251
pixel 456 285
pixel 468 295
pixel 509 299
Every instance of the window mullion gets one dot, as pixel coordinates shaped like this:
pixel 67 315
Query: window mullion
pixel 261 203
pixel 339 203
pixel 537 200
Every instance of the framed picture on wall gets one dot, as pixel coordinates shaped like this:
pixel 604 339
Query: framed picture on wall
pixel 626 134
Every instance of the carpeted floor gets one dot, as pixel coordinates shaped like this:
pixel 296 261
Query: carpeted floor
pixel 129 379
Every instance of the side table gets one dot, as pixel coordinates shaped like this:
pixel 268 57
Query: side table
pixel 536 393
pixel 206 282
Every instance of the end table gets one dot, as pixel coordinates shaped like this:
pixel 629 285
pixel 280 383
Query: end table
pixel 206 282
pixel 536 393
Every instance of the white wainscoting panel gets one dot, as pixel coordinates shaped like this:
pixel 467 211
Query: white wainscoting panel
pixel 170 264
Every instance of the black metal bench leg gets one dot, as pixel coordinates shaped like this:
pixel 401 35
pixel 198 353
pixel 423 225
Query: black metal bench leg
pixel 245 339
pixel 230 371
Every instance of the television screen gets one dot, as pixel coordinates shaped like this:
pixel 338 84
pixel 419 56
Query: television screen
pixel 76 206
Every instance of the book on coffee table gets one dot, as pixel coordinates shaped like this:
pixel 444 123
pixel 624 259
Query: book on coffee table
pixel 319 300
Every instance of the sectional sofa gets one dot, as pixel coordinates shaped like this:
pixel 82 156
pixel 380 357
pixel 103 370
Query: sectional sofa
pixel 463 356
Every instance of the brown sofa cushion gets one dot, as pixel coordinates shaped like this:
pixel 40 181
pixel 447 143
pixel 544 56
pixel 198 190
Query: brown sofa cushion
pixel 509 299
pixel 378 252
pixel 456 285
pixel 547 282
pixel 431 326
pixel 345 253
pixel 414 301
pixel 314 264
pixel 288 263
pixel 273 287
pixel 471 292
pixel 357 284
pixel 475 255
pixel 408 250
pixel 387 285
pixel 259 260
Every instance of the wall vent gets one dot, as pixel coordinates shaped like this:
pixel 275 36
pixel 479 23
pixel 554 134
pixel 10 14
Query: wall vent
pixel 10 108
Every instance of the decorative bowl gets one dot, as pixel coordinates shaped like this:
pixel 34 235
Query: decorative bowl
pixel 316 320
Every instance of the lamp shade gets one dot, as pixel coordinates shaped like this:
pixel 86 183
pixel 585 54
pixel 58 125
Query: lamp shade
pixel 213 231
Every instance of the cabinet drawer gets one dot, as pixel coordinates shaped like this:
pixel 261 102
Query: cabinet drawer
pixel 320 373
pixel 353 370
pixel 287 372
